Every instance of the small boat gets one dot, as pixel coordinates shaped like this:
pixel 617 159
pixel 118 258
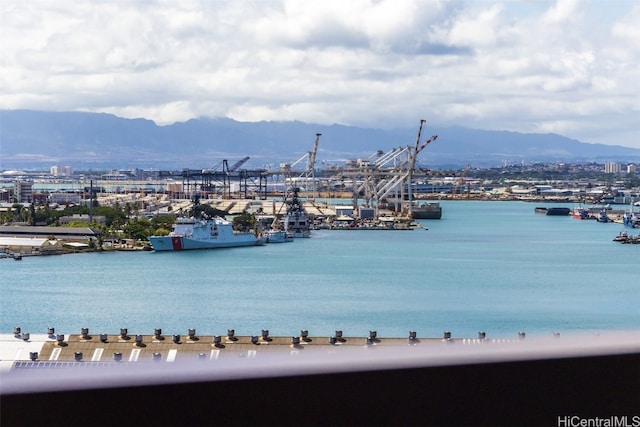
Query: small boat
pixel 602 216
pixel 631 218
pixel 621 237
pixel 580 213
pixel 277 236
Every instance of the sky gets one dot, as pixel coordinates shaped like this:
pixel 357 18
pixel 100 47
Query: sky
pixel 568 67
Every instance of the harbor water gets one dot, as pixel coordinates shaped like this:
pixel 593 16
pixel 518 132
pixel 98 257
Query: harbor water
pixel 485 266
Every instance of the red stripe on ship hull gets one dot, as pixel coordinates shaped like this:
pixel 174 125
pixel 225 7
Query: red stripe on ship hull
pixel 176 242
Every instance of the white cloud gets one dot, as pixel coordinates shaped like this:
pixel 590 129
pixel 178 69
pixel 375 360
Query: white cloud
pixel 568 66
pixel 476 28
pixel 562 11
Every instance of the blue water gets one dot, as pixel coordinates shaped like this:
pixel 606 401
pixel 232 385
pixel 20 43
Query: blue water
pixel 486 266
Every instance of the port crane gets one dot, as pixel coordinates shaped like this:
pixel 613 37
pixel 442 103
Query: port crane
pixel 412 166
pixel 309 173
pixel 290 199
pixel 219 177
pixel 382 174
pixel 235 166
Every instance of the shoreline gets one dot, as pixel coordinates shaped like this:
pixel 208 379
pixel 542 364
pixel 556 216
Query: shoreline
pixel 324 211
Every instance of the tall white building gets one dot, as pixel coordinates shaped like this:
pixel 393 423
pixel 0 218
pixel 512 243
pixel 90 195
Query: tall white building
pixel 612 167
pixel 631 168
pixel 23 191
pixel 61 171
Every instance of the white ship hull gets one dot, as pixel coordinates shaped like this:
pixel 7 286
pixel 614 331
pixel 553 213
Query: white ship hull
pixel 178 243
pixel 189 234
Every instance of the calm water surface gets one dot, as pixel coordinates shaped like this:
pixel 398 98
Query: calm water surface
pixel 486 266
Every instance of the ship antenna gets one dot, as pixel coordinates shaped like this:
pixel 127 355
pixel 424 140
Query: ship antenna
pixel 196 205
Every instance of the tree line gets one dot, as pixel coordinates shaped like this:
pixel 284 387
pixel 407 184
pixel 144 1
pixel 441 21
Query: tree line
pixel 121 221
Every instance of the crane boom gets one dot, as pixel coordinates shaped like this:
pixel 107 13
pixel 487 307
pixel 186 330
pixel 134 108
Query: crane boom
pixel 237 164
pixel 311 160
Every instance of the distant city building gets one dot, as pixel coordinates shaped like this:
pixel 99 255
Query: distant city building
pixel 114 176
pixel 175 190
pixel 65 198
pixel 40 199
pixel 631 168
pixel 612 167
pixel 23 191
pixel 61 170
pixel 82 218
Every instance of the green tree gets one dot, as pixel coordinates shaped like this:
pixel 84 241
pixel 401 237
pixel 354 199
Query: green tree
pixel 31 219
pixel 20 213
pixel 138 228
pixel 163 221
pixel 161 231
pixel 43 215
pixel 244 222
pixel 211 211
pixel 17 210
pixel 6 217
pixel 113 216
pixel 78 224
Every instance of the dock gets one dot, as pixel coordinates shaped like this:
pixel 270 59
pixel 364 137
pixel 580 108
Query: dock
pixel 20 350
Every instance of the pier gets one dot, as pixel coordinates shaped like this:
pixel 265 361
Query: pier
pixel 26 350
pixel 22 350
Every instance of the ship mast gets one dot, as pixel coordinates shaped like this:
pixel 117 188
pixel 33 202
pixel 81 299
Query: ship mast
pixel 412 165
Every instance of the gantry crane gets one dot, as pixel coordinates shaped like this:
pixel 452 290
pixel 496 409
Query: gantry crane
pixel 391 172
pixel 309 173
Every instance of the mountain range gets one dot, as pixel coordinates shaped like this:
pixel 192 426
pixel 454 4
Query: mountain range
pixel 38 140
